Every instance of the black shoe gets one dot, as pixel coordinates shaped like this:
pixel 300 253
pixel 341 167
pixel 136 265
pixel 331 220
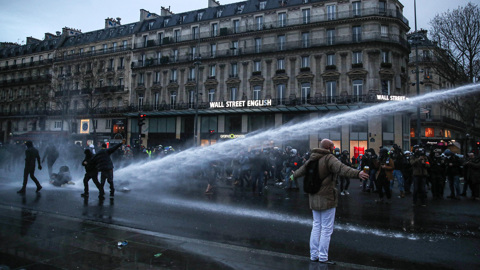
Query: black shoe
pixel 316 260
pixel 85 195
pixel 101 197
pixel 21 191
pixel 39 188
pixel 328 262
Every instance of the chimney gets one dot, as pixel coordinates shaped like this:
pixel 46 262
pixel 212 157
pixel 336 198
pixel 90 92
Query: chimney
pixel 166 12
pixel 68 32
pixel 31 40
pixel 147 15
pixel 213 3
pixel 111 22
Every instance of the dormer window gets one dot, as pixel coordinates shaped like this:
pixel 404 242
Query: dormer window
pixel 262 5
pixel 240 8
pixel 150 25
pixel 199 15
pixel 219 13
pixel 165 22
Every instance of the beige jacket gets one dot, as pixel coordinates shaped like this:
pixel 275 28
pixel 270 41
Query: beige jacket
pixel 329 169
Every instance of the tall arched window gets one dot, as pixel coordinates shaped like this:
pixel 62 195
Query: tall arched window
pixel 211 95
pixel 256 92
pixel 281 94
pixel 305 92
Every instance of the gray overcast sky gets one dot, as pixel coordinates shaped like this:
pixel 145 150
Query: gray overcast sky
pixel 24 18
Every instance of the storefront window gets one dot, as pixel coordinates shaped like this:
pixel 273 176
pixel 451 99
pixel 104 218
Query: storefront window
pixel 429 132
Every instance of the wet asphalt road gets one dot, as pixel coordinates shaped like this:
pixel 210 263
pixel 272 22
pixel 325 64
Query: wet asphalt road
pixel 443 235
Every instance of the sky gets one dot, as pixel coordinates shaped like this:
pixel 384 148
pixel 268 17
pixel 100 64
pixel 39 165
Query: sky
pixel 33 18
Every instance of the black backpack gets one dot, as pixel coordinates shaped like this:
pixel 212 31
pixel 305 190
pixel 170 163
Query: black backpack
pixel 311 180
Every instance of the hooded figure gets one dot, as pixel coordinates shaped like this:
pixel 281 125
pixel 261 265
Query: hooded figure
pixel 31 154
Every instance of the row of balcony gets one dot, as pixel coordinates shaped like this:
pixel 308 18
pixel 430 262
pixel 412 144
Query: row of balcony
pixel 273 48
pixel 282 23
pixel 33 79
pixel 30 64
pixel 90 91
pixel 60 58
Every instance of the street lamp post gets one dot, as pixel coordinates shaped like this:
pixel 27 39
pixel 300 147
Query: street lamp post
pixel 419 141
pixel 195 124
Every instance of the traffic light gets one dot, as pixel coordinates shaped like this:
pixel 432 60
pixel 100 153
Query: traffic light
pixel 141 119
pixel 211 131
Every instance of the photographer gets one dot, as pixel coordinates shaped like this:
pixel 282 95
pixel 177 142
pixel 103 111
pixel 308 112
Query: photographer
pixel 437 173
pixel 420 167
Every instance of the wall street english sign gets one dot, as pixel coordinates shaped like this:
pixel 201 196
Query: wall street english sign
pixel 241 103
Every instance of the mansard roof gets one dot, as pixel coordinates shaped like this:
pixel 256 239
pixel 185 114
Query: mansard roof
pixel 34 47
pixel 100 35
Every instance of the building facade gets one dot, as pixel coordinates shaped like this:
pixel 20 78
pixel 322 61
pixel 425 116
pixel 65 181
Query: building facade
pixel 236 68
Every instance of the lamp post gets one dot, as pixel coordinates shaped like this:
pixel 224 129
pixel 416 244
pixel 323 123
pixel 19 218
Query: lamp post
pixel 195 124
pixel 64 90
pixel 419 141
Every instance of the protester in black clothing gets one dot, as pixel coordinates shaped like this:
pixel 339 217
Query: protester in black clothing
pixel 436 173
pixel 259 167
pixel 91 172
pixel 344 181
pixel 31 154
pixel 104 165
pixel 385 175
pixel 51 154
pixel 407 172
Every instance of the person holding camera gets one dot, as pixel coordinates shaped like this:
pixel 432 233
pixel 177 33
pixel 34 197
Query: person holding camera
pixel 420 165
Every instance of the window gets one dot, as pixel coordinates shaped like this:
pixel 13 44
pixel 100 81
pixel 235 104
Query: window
pixel 108 122
pixel 256 92
pixel 156 100
pixel 357 33
pixel 258 45
pixel 121 63
pixel 160 38
pixel 282 19
pixel 236 26
pixel 429 132
pixel 191 73
pixel 219 12
pixel 191 99
pixel 305 95
pixel 384 31
pixel 120 81
pixel 212 71
pixel 195 33
pixel 331 12
pixel 234 47
pixel 262 5
pixel 357 87
pixel 213 50
pixel 114 47
pixel 140 101
pixel 214 29
pixel 58 124
pixel 385 87
pixel 105 48
pixel 356 8
pixel 175 55
pixel 281 64
pixel 199 15
pixel 331 91
pixel 234 69
pixel 305 40
pixel 382 7
pixel 141 81
pixel 357 58
pixel 143 60
pixel 257 66
pixel 211 95
pixel 259 23
pixel 281 89
pixel 233 93
pixel 165 22
pixel 306 16
pixel 173 99
pixel 330 36
pixel 176 35
pixel 193 53
pixel 157 77
pixel 331 59
pixel 385 57
pixel 173 77
pixel 124 44
pixel 281 43
pixel 305 61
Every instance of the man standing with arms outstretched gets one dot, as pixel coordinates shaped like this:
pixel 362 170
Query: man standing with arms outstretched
pixel 105 166
pixel 324 202
pixel 31 154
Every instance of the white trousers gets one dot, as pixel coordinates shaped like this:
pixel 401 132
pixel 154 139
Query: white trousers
pixel 321 233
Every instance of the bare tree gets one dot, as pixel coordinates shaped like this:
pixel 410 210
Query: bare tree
pixel 457 34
